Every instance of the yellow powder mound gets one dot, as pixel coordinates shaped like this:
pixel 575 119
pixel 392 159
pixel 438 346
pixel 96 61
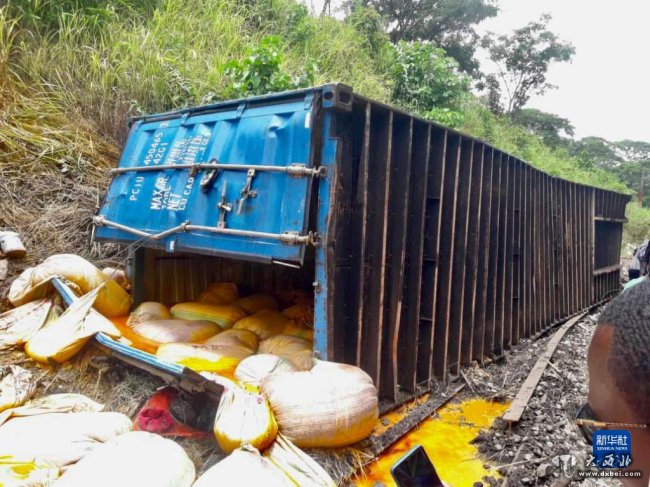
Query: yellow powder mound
pixel 446 439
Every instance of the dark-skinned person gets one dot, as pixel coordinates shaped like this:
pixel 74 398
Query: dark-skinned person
pixel 619 377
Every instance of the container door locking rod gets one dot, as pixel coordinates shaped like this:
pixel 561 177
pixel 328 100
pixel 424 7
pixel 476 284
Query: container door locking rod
pixel 295 170
pixel 288 238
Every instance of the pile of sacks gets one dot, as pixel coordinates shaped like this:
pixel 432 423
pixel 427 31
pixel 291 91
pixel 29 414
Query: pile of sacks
pixel 67 440
pixel 277 397
pixel 221 329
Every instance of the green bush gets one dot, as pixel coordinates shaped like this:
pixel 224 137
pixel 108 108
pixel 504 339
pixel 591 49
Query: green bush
pixel 428 82
pixel 260 72
pixel 637 228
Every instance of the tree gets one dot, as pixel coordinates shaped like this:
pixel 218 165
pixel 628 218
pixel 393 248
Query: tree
pixel 596 151
pixel 523 59
pixel 636 175
pixel 448 23
pixel 633 150
pixel 553 129
pixel 428 82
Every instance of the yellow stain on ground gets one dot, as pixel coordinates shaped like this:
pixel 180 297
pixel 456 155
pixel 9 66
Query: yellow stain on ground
pixel 393 417
pixel 447 441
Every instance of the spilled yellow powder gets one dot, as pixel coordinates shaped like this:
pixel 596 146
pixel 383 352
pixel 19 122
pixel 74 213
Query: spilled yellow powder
pixel 446 439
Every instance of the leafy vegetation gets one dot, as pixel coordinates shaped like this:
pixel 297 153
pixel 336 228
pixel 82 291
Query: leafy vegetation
pixel 261 72
pixel 97 62
pixel 427 81
pixel 450 24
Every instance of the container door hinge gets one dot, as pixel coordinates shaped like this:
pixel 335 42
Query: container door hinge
pixel 309 98
pixel 240 110
pixel 301 171
pixel 294 238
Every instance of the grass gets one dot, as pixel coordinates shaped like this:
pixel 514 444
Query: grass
pixel 507 136
pixel 71 77
pixel 120 64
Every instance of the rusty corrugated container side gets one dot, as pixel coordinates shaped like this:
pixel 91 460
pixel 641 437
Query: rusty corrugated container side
pixel 426 248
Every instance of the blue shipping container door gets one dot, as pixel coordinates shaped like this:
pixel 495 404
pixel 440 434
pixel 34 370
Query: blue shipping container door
pixel 253 206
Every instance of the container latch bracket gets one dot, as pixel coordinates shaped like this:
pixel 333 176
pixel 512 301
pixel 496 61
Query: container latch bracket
pixel 209 177
pixel 247 191
pixel 224 207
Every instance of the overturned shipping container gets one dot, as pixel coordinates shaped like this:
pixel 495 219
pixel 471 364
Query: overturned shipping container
pixel 425 248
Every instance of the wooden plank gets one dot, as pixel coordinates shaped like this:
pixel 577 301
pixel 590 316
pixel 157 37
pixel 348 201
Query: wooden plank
pixel 568 235
pixel 446 258
pixel 491 308
pixel 555 232
pixel 501 261
pixel 480 321
pixel 562 250
pixel 509 264
pixel 408 339
pixel 579 242
pixel 575 235
pixel 580 245
pixel 433 224
pixel 517 272
pixel 360 221
pixel 607 270
pixel 526 274
pixel 528 251
pixel 470 322
pixel 396 230
pixel 542 235
pixel 536 251
pixel 550 249
pixel 519 403
pixel 375 264
pixel 459 267
pixel 558 243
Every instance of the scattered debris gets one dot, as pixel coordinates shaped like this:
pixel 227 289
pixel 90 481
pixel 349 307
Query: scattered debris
pixel 11 245
pixel 16 387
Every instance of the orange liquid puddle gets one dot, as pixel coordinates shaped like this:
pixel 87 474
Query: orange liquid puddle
pixel 446 439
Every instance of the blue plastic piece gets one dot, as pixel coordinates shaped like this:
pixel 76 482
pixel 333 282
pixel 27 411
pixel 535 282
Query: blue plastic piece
pixel 272 134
